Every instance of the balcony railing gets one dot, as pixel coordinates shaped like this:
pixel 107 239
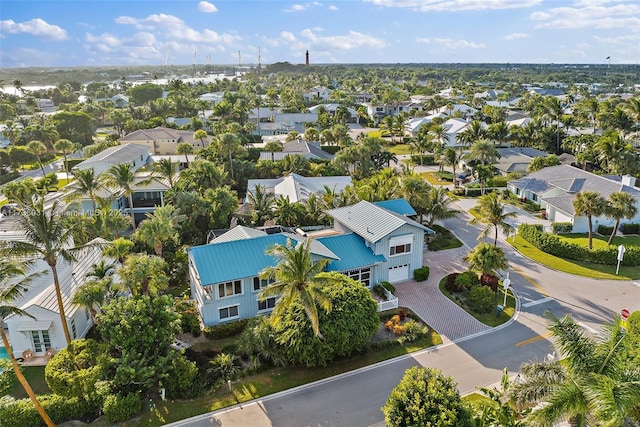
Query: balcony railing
pixel 390 303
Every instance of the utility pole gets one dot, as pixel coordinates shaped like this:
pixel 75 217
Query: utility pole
pixel 259 59
pixel 193 72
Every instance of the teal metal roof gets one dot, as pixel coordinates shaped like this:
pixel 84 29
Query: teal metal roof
pixel 399 206
pixel 351 250
pixel 222 262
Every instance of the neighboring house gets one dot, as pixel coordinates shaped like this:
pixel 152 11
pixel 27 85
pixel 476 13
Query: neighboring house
pixel 183 162
pixel 161 140
pixel 462 110
pixel 212 97
pixel 332 108
pixel 452 128
pixel 46 105
pixel 316 93
pixel 298 188
pixel 308 150
pixel 4 139
pixel 555 187
pixel 368 243
pixel 516 159
pixel 136 155
pixel 270 121
pixel 45 333
pixel 120 101
pixel 378 111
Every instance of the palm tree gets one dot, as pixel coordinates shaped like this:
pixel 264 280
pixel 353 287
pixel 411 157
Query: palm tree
pixel 589 204
pixel 491 213
pixel 621 205
pixel 200 135
pixel 437 202
pixel 47 238
pixel 451 158
pixel 261 203
pixel 160 226
pixel 143 274
pixel 186 149
pixel 118 249
pixel 551 109
pixel 122 176
pixel 487 259
pixel 500 132
pixel 10 291
pixel 164 171
pixel 296 280
pixel 86 183
pixel 37 148
pixel 228 144
pixel 93 294
pixel 65 147
pixel 593 383
pixel 484 151
pixel 286 213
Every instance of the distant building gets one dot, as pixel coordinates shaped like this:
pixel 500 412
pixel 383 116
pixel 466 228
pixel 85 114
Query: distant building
pixel 134 154
pixel 161 140
pixel 298 188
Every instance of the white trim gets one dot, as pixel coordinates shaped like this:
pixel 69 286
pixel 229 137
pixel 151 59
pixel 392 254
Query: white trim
pixel 224 319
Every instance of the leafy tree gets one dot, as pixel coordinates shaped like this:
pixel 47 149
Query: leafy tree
pixel 200 175
pixel 228 145
pixel 594 383
pixel 143 274
pixel 223 203
pixel 119 249
pixel 10 290
pixel 543 162
pixel 620 205
pixel 491 213
pixel 487 259
pixel 140 347
pixel 346 329
pixel 75 126
pixel 144 93
pixel 589 204
pixel 297 279
pixel 160 227
pixel 425 397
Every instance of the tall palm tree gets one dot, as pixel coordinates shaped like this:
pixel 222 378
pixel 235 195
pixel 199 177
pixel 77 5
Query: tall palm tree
pixel 164 172
pixel 500 132
pixel 491 213
pixel 38 149
pixel 10 290
pixel 620 205
pixel 121 176
pixel 46 237
pixel 551 109
pixel 118 249
pixel 484 151
pixel 186 149
pixel 593 383
pixel 589 204
pixel 86 183
pixel 261 203
pixel 487 259
pixel 160 227
pixel 143 274
pixel 65 147
pixel 451 158
pixel 437 202
pixel 200 135
pixel 228 144
pixel 296 280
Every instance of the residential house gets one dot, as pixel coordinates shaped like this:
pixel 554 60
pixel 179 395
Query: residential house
pixel 46 105
pixel 270 121
pixel 516 159
pixel 317 93
pixel 306 149
pixel 555 188
pixel 332 108
pixel 44 333
pixel 377 111
pixel 136 155
pixel 452 128
pixel 298 188
pixel 162 140
pixel 367 243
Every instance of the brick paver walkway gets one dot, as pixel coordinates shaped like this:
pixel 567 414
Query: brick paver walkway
pixel 426 300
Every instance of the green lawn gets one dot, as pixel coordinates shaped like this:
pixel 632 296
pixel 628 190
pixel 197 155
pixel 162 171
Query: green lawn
pixel 374 134
pixel 3 202
pixel 433 178
pixel 444 239
pixel 579 268
pixel 474 213
pixel 35 378
pixel 399 149
pixel 488 319
pixel 599 241
pixel 64 181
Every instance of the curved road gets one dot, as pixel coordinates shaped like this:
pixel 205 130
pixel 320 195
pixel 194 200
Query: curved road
pixel 355 398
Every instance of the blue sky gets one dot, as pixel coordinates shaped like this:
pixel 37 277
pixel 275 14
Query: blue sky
pixel 75 33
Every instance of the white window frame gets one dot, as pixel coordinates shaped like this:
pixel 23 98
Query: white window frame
pixel 262 283
pixel 357 273
pixel 233 283
pixel 401 241
pixel 236 306
pixel 267 301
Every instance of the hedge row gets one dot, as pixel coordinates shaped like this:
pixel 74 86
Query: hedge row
pixel 554 245
pixel 22 413
pixel 561 227
pixel 630 228
pixel 226 329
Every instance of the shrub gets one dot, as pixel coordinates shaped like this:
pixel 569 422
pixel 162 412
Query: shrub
pixel 72 162
pixel 467 280
pixel 490 280
pixel 412 331
pixel 120 408
pixel 481 299
pixel 179 383
pixel 427 160
pixel 225 330
pixel 388 286
pixel 380 291
pixel 8 177
pixel 605 230
pixel 561 227
pixel 189 317
pixel 630 228
pixel 451 285
pixel 22 413
pixel 421 274
pixel 497 181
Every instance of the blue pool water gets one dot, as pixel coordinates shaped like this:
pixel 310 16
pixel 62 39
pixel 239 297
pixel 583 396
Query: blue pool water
pixel 3 353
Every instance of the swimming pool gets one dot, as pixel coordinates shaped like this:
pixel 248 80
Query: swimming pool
pixel 3 353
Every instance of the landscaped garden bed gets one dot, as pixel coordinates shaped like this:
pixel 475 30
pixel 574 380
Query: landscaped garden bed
pixel 442 240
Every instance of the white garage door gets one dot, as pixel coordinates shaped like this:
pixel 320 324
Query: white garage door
pixel 399 273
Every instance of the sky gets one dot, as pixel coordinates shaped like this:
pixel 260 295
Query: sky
pixel 59 33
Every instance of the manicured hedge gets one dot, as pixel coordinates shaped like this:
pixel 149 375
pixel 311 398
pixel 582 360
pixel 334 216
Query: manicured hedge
pixel 605 230
pixel 8 177
pixel 22 413
pixel 561 227
pixel 554 245
pixel 421 274
pixel 121 408
pixel 630 228
pixel 427 159
pixel 388 286
pixel 226 329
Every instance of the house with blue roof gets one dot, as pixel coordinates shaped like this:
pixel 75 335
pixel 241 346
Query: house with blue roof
pixel 369 243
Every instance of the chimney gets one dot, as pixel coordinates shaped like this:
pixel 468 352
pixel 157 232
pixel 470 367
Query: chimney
pixel 307 57
pixel 629 180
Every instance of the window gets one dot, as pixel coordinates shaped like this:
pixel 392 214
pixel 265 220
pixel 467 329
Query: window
pixel 229 289
pixel 267 304
pixel 362 275
pixel 400 245
pixel 74 334
pixel 259 283
pixel 228 312
pixel 41 341
pixel 534 197
pixel 87 314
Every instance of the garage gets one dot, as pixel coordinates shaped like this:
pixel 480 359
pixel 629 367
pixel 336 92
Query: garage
pixel 399 273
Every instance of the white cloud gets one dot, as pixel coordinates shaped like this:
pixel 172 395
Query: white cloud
pixel 297 7
pixel 620 40
pixel 456 5
pixel 516 36
pixel 288 36
pixel 206 7
pixel 352 40
pixel 451 43
pixel 35 27
pixel 600 17
pixel 332 7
